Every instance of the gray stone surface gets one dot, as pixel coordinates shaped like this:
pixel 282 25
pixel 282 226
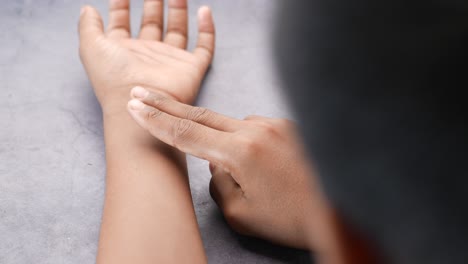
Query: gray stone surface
pixel 51 142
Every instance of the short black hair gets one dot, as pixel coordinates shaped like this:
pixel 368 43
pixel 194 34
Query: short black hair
pixel 378 89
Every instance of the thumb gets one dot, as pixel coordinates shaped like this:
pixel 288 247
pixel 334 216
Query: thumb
pixel 224 190
pixel 90 25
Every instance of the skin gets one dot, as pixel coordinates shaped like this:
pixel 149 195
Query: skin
pixel 148 213
pixel 264 190
pixel 115 62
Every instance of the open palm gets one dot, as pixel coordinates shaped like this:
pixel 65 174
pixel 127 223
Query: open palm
pixel 115 62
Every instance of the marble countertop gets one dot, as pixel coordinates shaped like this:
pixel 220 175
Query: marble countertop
pixel 51 142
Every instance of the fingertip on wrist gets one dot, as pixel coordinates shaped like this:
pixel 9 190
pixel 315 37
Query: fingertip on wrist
pixel 139 92
pixel 135 105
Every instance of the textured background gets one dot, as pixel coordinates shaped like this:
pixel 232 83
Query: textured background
pixel 51 143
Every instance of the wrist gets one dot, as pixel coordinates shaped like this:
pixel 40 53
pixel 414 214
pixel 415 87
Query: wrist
pixel 115 104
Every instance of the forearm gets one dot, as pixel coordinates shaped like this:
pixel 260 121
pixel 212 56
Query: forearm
pixel 148 213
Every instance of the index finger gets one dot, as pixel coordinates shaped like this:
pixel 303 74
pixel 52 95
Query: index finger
pixel 187 136
pixel 200 115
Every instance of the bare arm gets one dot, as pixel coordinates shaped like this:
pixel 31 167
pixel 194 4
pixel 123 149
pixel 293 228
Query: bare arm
pixel 148 213
pixel 264 190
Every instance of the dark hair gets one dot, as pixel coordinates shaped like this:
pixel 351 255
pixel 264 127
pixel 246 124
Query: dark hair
pixel 377 87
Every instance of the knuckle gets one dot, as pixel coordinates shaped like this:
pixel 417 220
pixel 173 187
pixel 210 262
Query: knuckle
pixel 197 114
pixel 284 122
pixel 153 114
pixel 263 130
pixel 149 22
pixel 250 146
pixel 263 127
pixel 267 128
pixel 157 100
pixel 181 130
pixel 178 30
pixel 206 50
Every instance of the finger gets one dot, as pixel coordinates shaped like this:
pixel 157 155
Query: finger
pixel 223 188
pixel 90 25
pixel 183 134
pixel 204 50
pixel 200 115
pixel 153 20
pixel 119 19
pixel 176 34
pixel 256 118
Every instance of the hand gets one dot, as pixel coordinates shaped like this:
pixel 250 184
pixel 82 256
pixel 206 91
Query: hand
pixel 261 180
pixel 115 62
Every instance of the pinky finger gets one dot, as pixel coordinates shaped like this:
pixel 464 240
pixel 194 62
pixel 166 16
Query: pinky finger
pixel 204 50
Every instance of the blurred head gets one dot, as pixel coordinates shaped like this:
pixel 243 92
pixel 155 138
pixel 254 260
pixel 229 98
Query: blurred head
pixel 376 87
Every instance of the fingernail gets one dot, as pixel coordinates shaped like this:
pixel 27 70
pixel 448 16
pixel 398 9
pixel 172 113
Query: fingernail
pixel 139 92
pixel 83 10
pixel 136 105
pixel 202 11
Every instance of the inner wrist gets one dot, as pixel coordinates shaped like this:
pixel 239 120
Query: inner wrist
pixel 115 104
